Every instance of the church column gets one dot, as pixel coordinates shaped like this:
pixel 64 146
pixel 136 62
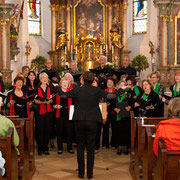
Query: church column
pixel 53 27
pixel 165 18
pixel 124 39
pixel 68 28
pixel 5 40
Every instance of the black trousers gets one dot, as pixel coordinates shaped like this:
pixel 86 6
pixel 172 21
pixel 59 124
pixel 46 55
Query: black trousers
pixel 123 132
pixel 106 127
pixel 98 136
pixel 43 125
pixel 64 125
pixel 85 137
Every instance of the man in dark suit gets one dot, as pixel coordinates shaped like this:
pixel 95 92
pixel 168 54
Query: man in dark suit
pixel 86 116
pixel 103 77
pixel 126 67
pixel 52 73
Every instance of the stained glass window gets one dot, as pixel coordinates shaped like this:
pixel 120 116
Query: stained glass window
pixel 34 17
pixel 139 16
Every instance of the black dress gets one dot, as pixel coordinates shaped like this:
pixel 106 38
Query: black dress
pixel 64 127
pixel 17 109
pixel 44 120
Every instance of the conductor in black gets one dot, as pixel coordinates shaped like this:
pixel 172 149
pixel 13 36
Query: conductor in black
pixel 86 116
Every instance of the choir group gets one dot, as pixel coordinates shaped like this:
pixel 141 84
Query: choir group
pixel 39 93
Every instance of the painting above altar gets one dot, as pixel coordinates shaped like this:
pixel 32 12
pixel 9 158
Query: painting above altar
pixel 89 18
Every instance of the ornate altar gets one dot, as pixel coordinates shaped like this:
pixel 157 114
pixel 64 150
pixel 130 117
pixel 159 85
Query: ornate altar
pixel 83 30
pixel 169 38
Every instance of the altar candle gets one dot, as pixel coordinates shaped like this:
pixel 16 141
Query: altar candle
pixel 153 60
pixel 106 48
pixel 112 49
pixel 71 49
pixel 65 50
pixel 101 49
pixel 89 54
pixel 76 49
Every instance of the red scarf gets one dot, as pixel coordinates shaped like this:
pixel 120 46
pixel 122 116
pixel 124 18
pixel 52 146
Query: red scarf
pixel 58 99
pixel 71 86
pixel 44 108
pixel 12 107
pixel 107 90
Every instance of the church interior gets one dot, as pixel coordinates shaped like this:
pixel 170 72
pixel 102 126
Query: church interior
pixel 145 31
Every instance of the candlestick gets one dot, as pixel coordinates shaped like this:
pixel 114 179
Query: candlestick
pixel 76 49
pixel 153 60
pixel 106 48
pixel 112 49
pixel 71 49
pixel 65 50
pixel 101 49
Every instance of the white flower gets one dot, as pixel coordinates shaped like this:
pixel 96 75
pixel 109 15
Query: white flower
pixel 2 162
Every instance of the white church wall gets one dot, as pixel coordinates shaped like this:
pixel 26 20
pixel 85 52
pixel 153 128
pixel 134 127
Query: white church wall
pixel 138 44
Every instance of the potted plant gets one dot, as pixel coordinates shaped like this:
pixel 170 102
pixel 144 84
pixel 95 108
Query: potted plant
pixel 140 63
pixel 38 63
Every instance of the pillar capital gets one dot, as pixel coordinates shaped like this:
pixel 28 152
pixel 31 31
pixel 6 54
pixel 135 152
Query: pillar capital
pixel 125 5
pixel 3 21
pixel 54 7
pixel 165 17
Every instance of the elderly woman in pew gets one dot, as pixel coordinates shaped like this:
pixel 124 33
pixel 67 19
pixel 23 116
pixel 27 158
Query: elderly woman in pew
pixel 5 124
pixel 18 108
pixel 149 103
pixel 169 130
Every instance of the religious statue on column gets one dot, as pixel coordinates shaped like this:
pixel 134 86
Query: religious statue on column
pixel 116 34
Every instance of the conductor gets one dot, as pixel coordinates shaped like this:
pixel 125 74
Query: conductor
pixel 86 116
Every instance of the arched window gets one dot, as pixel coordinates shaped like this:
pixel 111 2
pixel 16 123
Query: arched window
pixel 34 17
pixel 139 16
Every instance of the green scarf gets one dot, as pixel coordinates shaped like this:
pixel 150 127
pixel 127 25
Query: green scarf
pixel 175 91
pixel 145 97
pixel 120 99
pixel 137 92
pixel 156 90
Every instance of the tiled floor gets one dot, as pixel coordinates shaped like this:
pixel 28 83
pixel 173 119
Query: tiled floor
pixel 108 166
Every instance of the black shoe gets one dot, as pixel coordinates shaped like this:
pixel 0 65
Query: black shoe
pixel 46 153
pixel 81 176
pixel 126 152
pixel 59 152
pixel 40 153
pixel 90 177
pixel 119 152
pixel 70 151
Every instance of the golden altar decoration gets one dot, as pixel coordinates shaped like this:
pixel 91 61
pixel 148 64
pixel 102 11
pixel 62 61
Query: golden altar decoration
pixel 87 32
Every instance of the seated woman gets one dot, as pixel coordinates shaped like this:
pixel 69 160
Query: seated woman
pixel 62 118
pixel 169 130
pixel 18 108
pixel 5 124
pixel 2 162
pixel 175 89
pixel 148 103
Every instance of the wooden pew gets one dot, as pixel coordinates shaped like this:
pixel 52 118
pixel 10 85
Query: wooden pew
pixel 5 148
pixel 133 142
pixel 150 156
pixel 29 134
pixel 151 121
pixel 19 124
pixel 170 162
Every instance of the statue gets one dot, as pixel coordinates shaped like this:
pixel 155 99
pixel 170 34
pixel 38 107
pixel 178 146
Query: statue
pixel 116 34
pixel 151 45
pixel 14 23
pixel 62 37
pixel 27 52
